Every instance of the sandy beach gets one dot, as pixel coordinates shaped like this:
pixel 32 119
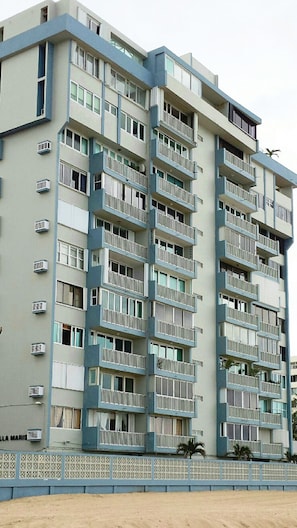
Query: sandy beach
pixel 228 509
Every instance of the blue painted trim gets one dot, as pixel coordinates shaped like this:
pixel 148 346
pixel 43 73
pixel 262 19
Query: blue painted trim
pixel 276 167
pixel 1 149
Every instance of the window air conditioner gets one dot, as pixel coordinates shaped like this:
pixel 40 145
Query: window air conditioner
pixel 43 186
pixel 41 226
pixel 44 146
pixel 37 349
pixel 38 307
pixel 34 435
pixel 40 266
pixel 36 391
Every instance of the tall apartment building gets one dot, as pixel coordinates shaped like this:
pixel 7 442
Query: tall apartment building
pixel 143 249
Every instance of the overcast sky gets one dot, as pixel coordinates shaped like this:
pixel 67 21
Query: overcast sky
pixel 250 44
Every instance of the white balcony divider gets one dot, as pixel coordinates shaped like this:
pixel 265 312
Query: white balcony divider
pixel 110 316
pixel 174 225
pixel 126 208
pixel 127 283
pixel 176 260
pixel 126 245
pixel 123 358
pixel 131 174
pixel 178 125
pixel 175 157
pixel 239 163
pixel 176 331
pixel 122 398
pixel 175 404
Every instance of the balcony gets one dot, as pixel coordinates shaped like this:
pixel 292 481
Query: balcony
pixel 162 366
pixel 258 448
pixel 115 209
pixel 182 265
pixel 229 284
pixel 242 414
pixel 179 299
pixel 97 356
pixel 169 158
pixel 180 129
pixel 268 271
pixel 125 283
pixel 270 420
pixel 170 226
pixel 100 162
pixel 270 361
pixel 235 168
pixel 99 317
pixel 235 349
pixel 238 381
pixel 98 398
pixel 163 443
pixel 268 246
pixel 172 332
pixel 270 330
pixel 95 439
pixel 225 313
pixel 231 253
pixel 173 193
pixel 171 406
pixel 270 389
pixel 224 218
pixel 99 238
pixel 241 198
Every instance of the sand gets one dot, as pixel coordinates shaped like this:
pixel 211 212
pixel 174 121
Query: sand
pixel 228 509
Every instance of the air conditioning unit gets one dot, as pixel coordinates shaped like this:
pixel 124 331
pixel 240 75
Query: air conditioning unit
pixel 34 435
pixel 44 146
pixel 40 266
pixel 36 391
pixel 41 226
pixel 38 307
pixel 43 186
pixel 38 349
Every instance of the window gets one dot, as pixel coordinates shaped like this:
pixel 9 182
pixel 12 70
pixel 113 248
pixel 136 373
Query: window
pixel 126 49
pixel 72 177
pixel 169 211
pixel 75 141
pixel 117 383
pixel 43 15
pixel 70 255
pixel 172 315
pixel 66 334
pixel 178 114
pixel 68 376
pixel 172 144
pixel 93 25
pixel 243 122
pixel 174 283
pixel 283 213
pixel 120 190
pixel 266 315
pixel 112 421
pixel 245 400
pixel 117 303
pixel 85 98
pixel 129 162
pixel 238 334
pixel 168 425
pixel 183 76
pixel 132 126
pixel 242 432
pixel 65 417
pixel 267 345
pixel 128 88
pixel 112 228
pixel 174 388
pixel 168 246
pixel 86 61
pixel 110 108
pixel 69 294
pixel 110 342
pixel 240 241
pixel 168 352
pixel 121 269
pixel 234 303
pixel 167 176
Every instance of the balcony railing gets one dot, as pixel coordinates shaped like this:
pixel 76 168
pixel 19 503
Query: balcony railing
pixel 270 418
pixel 242 317
pixel 171 441
pixel 126 245
pixel 121 438
pixel 241 193
pixel 175 225
pixel 176 331
pixel 126 208
pixel 175 157
pixel 177 367
pixel 272 245
pixel 242 349
pixel 272 359
pixel 176 296
pixel 241 223
pixel 254 446
pixel 243 285
pixel 250 382
pixel 176 260
pixel 175 404
pixel 241 254
pixel 270 272
pixel 178 125
pixel 178 193
pixel 122 398
pixel 271 388
pixel 239 163
pixel 272 449
pixel 127 283
pixel 128 321
pixel 269 329
pixel 123 358
pixel 245 414
pixel 130 174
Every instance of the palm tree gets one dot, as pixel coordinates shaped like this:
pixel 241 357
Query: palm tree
pixel 191 448
pixel 242 452
pixel 272 152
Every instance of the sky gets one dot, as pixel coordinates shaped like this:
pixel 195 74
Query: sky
pixel 250 44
